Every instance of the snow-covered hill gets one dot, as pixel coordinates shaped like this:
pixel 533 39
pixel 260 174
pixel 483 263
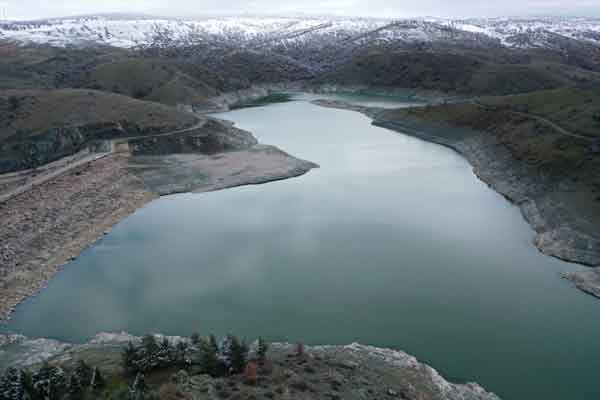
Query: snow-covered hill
pixel 140 31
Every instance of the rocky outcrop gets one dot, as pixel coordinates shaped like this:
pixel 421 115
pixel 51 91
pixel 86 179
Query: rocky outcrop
pixel 350 372
pixel 40 149
pixel 55 143
pixel 215 136
pixel 587 281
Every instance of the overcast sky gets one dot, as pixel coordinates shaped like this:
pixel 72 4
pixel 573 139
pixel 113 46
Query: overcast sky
pixel 31 9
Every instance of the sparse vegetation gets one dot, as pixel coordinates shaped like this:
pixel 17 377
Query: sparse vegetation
pixel 149 356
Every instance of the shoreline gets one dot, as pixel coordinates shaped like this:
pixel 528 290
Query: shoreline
pixel 493 165
pixel 382 372
pixel 49 225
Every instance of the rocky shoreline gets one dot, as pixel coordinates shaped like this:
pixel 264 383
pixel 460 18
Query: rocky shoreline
pixel 49 225
pixel 557 231
pixel 353 371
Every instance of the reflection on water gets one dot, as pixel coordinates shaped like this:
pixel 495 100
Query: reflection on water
pixel 392 242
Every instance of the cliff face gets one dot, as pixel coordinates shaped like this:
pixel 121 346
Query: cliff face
pixel 213 137
pixel 41 126
pixel 44 148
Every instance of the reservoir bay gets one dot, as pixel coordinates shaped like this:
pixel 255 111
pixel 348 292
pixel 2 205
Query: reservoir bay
pixel 393 242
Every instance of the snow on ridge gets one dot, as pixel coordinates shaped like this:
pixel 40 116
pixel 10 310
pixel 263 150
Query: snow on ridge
pixel 132 31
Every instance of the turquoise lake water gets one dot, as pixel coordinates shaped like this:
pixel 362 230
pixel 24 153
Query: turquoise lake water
pixel 392 242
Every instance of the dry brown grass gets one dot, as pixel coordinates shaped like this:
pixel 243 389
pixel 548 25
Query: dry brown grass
pixel 39 110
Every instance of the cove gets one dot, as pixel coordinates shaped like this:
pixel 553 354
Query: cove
pixel 392 242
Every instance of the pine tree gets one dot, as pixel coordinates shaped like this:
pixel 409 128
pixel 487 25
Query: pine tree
pixel 12 385
pixel 97 381
pixel 49 382
pixel 129 356
pixel 239 356
pixel 209 361
pixel 181 350
pixel 226 351
pixel 212 341
pixel 84 373
pixel 261 351
pixel 75 387
pixel 139 387
pixel 149 344
pixel 195 338
pixel 28 384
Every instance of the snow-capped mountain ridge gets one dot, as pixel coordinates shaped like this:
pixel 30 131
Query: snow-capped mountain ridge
pixel 130 31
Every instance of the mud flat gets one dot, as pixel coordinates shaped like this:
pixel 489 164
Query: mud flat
pixel 354 371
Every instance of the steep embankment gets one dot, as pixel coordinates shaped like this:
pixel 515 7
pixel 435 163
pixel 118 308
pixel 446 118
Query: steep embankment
pixel 336 372
pixel 545 168
pixel 40 126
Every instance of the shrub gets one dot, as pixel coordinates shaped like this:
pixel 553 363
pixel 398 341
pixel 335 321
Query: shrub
pixel 209 361
pixel 261 351
pixel 195 338
pixel 169 391
pixel 251 373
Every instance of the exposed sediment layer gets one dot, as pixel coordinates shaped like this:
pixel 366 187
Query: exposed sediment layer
pixel 557 227
pixel 345 372
pixel 48 225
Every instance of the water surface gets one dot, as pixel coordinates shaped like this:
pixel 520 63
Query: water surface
pixel 392 242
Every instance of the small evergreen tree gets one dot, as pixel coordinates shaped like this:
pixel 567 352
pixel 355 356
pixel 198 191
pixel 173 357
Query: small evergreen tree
pixel 209 361
pixel 139 387
pixel 165 345
pixel 12 385
pixel 212 342
pixel 84 373
pixel 226 351
pixel 75 387
pixel 149 344
pixel 181 350
pixel 97 382
pixel 28 384
pixel 195 338
pixel 129 357
pixel 261 351
pixel 234 354
pixel 49 382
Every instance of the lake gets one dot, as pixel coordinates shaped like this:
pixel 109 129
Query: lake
pixel 392 242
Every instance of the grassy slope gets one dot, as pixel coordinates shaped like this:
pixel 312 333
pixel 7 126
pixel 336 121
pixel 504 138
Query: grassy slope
pixel 38 110
pixel 168 82
pixel 461 73
pixel 575 109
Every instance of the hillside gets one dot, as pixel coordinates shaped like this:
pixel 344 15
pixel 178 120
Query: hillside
pixel 188 61
pixel 453 70
pixel 152 79
pixel 39 126
pixel 541 150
